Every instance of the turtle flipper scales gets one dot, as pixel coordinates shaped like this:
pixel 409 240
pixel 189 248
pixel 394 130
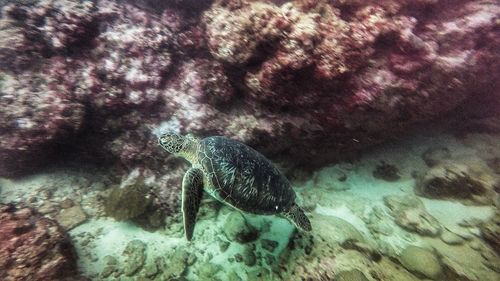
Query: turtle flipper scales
pixel 192 191
pixel 298 218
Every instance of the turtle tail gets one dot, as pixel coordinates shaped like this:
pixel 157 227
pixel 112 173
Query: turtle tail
pixel 296 215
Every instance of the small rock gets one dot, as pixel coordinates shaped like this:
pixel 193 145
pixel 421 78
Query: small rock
pixel 223 245
pixel 192 258
pixel 494 164
pixel 207 271
pixel 150 270
pixel 47 208
pixel 490 231
pixel 471 222
pixel 351 275
pixel 259 274
pixel 110 260
pixel 457 271
pixel 422 262
pixel 334 230
pixel 128 202
pixel 136 256
pixel 71 217
pixel 491 260
pixel 233 276
pixel 176 264
pixel 238 257
pixel 269 245
pixel 107 271
pixel 110 267
pixel 331 178
pixel 362 248
pixel 451 238
pixel 67 203
pixel 476 245
pixel 236 228
pixel 270 259
pixel 249 257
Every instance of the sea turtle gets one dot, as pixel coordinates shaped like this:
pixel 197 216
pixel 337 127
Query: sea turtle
pixel 234 174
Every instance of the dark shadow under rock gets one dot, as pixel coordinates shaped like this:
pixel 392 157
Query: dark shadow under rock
pixel 387 172
pixel 467 182
pixel 434 156
pixel 490 231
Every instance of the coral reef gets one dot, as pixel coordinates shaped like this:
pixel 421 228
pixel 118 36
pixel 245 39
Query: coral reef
pixel 33 247
pixel 303 81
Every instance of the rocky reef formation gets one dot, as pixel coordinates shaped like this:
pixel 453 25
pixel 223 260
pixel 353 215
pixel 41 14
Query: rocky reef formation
pixel 301 81
pixel 33 247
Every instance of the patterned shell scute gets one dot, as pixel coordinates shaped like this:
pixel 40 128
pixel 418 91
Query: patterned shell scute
pixel 243 177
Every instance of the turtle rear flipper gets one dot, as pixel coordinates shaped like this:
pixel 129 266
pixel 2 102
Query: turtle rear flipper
pixel 192 191
pixel 298 218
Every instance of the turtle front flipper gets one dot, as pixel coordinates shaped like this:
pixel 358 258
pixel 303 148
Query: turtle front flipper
pixel 296 215
pixel 192 191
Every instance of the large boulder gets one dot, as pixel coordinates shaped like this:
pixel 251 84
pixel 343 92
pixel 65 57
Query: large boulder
pixel 33 247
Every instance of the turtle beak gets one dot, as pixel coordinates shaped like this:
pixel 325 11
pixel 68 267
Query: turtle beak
pixel 162 140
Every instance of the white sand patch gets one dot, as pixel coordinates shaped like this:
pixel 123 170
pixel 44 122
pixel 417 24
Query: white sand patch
pixel 346 214
pixel 451 213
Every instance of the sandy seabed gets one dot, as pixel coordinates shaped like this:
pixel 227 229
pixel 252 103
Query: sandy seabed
pixel 357 234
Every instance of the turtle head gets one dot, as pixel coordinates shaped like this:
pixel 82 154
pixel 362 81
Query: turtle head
pixel 178 144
